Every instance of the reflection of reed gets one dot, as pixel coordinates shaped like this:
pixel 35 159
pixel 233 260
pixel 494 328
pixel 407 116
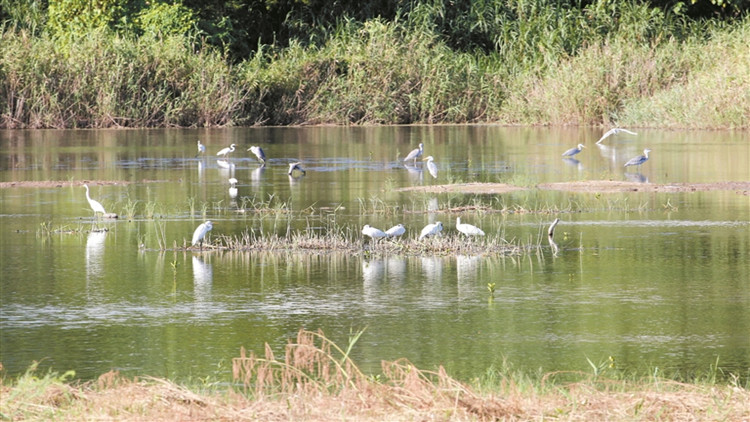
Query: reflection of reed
pixel 94 253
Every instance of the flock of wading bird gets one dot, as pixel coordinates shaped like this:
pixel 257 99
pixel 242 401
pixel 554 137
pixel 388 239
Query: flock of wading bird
pixel 431 229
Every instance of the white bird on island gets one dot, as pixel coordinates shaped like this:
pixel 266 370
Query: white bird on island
pixel 415 153
pixel 468 229
pixel 431 167
pixel 614 131
pixel 232 187
pixel 295 166
pixel 258 151
pixel 372 232
pixel 201 148
pixel 431 230
pixel 395 231
pixel 573 151
pixel 226 151
pixel 637 161
pixel 200 233
pixel 95 205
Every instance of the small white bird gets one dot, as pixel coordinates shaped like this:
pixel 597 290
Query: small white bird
pixel 415 153
pixel 372 232
pixel 200 233
pixel 95 205
pixel 637 161
pixel 573 151
pixel 232 188
pixel 431 230
pixel 201 148
pixel 468 229
pixel 396 230
pixel 295 166
pixel 258 151
pixel 431 167
pixel 224 152
pixel 614 131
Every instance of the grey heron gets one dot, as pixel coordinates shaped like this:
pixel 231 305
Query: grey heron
pixel 258 151
pixel 200 233
pixel 573 151
pixel 431 230
pixel 395 231
pixel 637 161
pixel 95 205
pixel 372 232
pixel 431 167
pixel 614 131
pixel 468 229
pixel 415 153
pixel 224 152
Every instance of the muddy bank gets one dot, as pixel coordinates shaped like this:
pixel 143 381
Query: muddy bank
pixel 66 183
pixel 475 188
pixel 592 186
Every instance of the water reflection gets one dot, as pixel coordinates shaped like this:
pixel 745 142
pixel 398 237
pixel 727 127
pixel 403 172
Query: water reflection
pixel 257 175
pixel 226 168
pixel 416 174
pixel 396 269
pixel 94 254
pixel 203 275
pixel 467 274
pixel 573 163
pixel 636 177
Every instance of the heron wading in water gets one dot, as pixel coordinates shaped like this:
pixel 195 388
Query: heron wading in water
pixel 415 153
pixel 226 151
pixel 93 203
pixel 258 151
pixel 637 161
pixel 573 151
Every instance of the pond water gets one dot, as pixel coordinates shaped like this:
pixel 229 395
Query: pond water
pixel 655 280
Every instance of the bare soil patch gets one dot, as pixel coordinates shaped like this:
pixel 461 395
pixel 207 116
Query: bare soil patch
pixel 612 186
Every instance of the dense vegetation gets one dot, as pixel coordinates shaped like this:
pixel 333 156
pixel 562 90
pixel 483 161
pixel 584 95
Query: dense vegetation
pixel 106 63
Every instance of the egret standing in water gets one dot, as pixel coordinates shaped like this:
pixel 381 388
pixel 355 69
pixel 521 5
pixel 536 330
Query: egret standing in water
pixel 395 231
pixel 95 205
pixel 372 232
pixel 258 151
pixel 573 151
pixel 431 167
pixel 614 131
pixel 201 148
pixel 232 187
pixel 200 233
pixel 415 153
pixel 295 166
pixel 226 151
pixel 431 230
pixel 637 161
pixel 468 229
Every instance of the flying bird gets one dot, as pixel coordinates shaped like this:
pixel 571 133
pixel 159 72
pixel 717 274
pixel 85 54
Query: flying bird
pixel 573 151
pixel 637 161
pixel 95 205
pixel 396 230
pixel 415 153
pixel 258 151
pixel 614 131
pixel 200 233
pixel 431 167
pixel 468 229
pixel 431 230
pixel 372 232
pixel 224 152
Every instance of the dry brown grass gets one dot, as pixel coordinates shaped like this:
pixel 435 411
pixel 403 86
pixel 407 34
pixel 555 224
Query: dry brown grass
pixel 316 381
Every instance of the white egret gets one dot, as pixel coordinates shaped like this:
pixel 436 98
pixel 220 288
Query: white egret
pixel 637 161
pixel 95 205
pixel 201 148
pixel 431 167
pixel 200 233
pixel 614 131
pixel 295 166
pixel 232 188
pixel 415 153
pixel 395 231
pixel 431 230
pixel 468 229
pixel 573 151
pixel 226 151
pixel 372 232
pixel 258 151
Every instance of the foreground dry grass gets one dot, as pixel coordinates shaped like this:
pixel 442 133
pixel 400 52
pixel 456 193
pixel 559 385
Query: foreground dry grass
pixel 316 381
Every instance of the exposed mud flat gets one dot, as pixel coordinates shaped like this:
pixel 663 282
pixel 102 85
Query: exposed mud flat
pixel 592 186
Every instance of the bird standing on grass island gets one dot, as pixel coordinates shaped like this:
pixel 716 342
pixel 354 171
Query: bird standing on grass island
pixel 258 151
pixel 200 233
pixel 415 153
pixel 95 205
pixel 396 230
pixel 573 151
pixel 224 152
pixel 431 230
pixel 637 161
pixel 372 232
pixel 468 229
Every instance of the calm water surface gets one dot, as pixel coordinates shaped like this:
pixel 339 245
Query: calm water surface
pixel 652 279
